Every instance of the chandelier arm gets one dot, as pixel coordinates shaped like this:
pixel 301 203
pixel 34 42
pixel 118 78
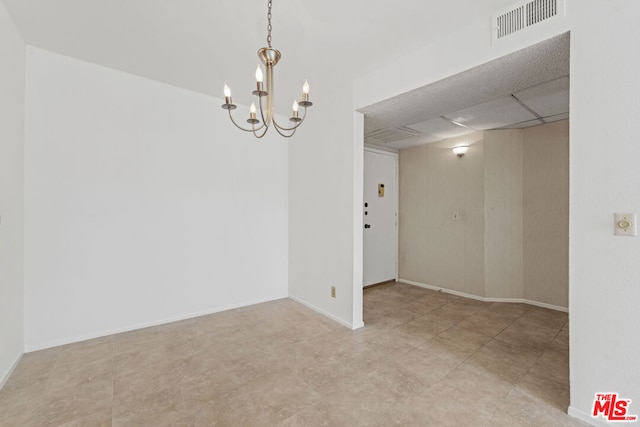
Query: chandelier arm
pixel 263 125
pixel 294 127
pixel 241 128
pixel 282 128
pixel 263 132
pixel 283 134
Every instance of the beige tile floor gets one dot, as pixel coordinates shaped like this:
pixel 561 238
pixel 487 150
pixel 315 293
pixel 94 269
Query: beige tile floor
pixel 423 359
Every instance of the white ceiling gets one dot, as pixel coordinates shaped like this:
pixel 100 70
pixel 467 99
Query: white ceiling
pixel 200 44
pixel 527 88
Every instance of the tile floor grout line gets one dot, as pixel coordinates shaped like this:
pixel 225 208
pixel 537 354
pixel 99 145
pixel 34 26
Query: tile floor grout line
pixel 282 345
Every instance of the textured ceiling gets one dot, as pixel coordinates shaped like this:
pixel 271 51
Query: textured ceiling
pixel 513 91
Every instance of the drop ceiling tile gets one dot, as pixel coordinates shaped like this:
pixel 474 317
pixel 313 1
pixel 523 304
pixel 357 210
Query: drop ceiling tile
pixel 494 114
pixel 523 125
pixel 548 99
pixel 440 128
pixel 418 140
pixel 409 142
pixel 556 118
pixel 537 122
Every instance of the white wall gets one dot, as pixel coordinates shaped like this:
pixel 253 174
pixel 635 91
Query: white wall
pixel 144 204
pixel 12 67
pixel 322 206
pixel 604 272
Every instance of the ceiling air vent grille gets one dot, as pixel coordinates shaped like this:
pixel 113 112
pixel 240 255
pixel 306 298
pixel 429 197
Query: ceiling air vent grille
pixel 511 22
pixel 540 10
pixel 524 16
pixel 391 134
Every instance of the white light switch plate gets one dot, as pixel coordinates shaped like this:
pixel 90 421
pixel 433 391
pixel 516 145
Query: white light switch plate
pixel 625 224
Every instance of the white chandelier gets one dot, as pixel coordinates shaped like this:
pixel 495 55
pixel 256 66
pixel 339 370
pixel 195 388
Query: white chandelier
pixel 259 126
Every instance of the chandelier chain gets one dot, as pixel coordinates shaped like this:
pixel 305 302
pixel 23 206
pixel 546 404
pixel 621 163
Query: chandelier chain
pixel 269 25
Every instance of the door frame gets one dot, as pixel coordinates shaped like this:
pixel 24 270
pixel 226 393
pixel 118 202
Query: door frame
pixel 395 155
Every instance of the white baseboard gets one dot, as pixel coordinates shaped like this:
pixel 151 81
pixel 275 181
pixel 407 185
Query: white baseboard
pixel 545 305
pixel 445 290
pixel 587 418
pixel 4 379
pixel 35 347
pixel 325 313
pixel 485 299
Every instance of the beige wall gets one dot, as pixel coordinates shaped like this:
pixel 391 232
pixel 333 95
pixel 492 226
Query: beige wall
pixel 503 213
pixel 435 248
pixel 511 190
pixel 546 213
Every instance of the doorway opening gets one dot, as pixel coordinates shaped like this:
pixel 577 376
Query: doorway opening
pixel 489 277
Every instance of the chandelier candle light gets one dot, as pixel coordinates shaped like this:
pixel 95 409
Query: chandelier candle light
pixel 259 126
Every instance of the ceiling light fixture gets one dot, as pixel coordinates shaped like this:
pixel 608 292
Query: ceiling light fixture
pixel 259 126
pixel 460 150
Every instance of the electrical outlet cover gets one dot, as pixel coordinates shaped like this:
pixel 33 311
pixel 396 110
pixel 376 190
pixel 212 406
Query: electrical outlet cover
pixel 625 224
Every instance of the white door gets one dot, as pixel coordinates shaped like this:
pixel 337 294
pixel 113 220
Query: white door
pixel 380 222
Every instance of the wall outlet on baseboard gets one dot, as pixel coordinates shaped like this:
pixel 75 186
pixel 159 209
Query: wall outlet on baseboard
pixel 333 292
